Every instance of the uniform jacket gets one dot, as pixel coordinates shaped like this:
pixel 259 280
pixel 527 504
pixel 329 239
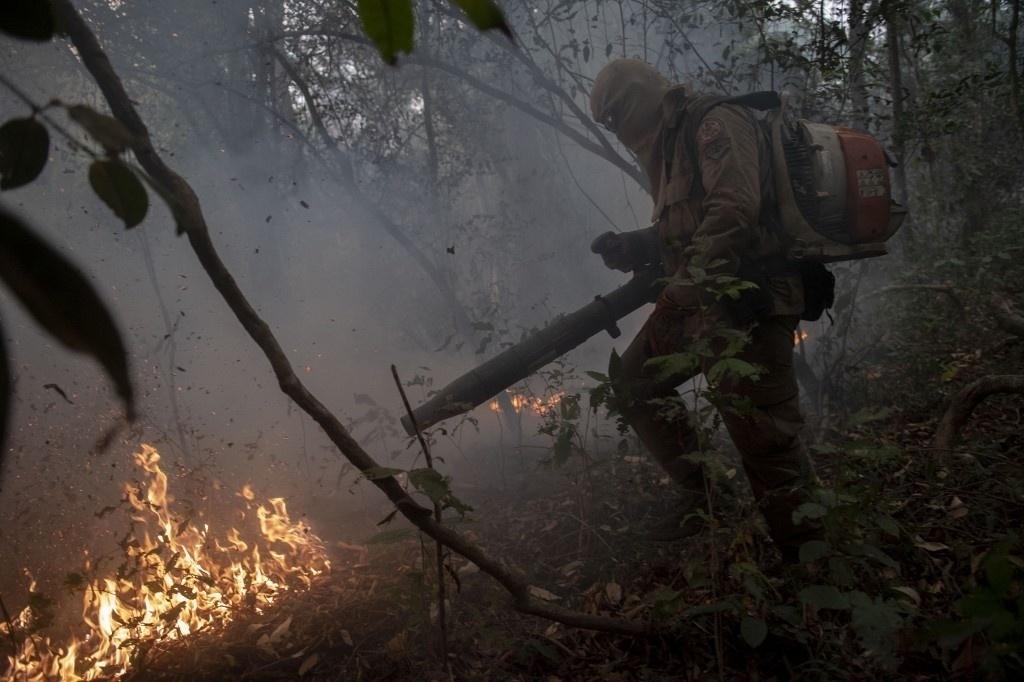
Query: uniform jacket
pixel 723 205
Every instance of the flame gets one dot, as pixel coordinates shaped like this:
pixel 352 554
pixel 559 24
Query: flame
pixel 177 579
pixel 540 406
pixel 799 336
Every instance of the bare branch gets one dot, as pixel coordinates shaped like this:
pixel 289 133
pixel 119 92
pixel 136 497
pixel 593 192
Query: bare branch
pixel 601 148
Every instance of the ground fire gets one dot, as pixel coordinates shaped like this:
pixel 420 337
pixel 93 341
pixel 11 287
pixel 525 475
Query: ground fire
pixel 177 578
pixel 540 406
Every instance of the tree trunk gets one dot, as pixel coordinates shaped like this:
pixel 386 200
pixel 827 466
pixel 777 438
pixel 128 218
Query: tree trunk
pixel 856 84
pixel 1012 58
pixel 892 40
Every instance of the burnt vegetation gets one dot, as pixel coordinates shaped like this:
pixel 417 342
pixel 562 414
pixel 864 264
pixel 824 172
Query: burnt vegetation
pixel 193 194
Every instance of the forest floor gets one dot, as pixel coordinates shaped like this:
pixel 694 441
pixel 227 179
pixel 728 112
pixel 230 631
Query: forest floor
pixel 921 577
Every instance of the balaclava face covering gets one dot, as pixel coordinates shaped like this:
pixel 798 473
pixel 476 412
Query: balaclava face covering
pixel 627 98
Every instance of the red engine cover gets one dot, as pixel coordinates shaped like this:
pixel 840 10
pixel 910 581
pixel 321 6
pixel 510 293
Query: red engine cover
pixel 868 192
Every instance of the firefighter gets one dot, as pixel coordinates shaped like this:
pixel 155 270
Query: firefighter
pixel 712 206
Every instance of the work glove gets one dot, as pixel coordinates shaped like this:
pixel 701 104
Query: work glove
pixel 616 250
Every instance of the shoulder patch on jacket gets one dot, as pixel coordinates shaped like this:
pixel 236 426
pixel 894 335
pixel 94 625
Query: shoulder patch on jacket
pixel 710 129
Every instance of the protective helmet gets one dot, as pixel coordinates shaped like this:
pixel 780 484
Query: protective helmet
pixel 626 99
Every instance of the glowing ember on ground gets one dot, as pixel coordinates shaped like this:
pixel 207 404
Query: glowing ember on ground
pixel 538 406
pixel 177 579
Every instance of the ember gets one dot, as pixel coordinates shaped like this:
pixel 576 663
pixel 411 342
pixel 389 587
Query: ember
pixel 177 579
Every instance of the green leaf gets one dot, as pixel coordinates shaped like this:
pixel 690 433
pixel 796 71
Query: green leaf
pixel 29 19
pixel 813 550
pixel 24 149
pixel 666 367
pixel 484 14
pixel 824 597
pixel 377 473
pixel 430 483
pixel 872 552
pixel 733 368
pixel 119 189
pixel 736 341
pixel 389 24
pixel 754 630
pixel 458 505
pixel 60 298
pixel 112 135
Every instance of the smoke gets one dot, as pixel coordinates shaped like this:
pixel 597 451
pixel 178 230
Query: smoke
pixel 328 243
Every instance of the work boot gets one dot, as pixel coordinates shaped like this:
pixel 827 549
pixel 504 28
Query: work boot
pixel 682 521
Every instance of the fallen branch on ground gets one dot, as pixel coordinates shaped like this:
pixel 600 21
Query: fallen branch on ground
pixel 964 402
pixel 188 215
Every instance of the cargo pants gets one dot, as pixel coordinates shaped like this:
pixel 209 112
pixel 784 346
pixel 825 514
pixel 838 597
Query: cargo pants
pixel 766 431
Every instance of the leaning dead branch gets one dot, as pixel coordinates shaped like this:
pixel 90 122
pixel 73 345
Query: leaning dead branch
pixel 1007 317
pixel 964 402
pixel 188 215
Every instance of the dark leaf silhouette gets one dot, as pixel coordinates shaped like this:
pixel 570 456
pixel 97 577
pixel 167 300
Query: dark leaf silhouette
pixel 389 24
pixel 30 19
pixel 484 14
pixel 60 298
pixel 119 189
pixel 24 148
pixel 107 130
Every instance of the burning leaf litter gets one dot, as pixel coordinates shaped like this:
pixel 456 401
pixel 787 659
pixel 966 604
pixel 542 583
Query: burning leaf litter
pixel 178 578
pixel 541 406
